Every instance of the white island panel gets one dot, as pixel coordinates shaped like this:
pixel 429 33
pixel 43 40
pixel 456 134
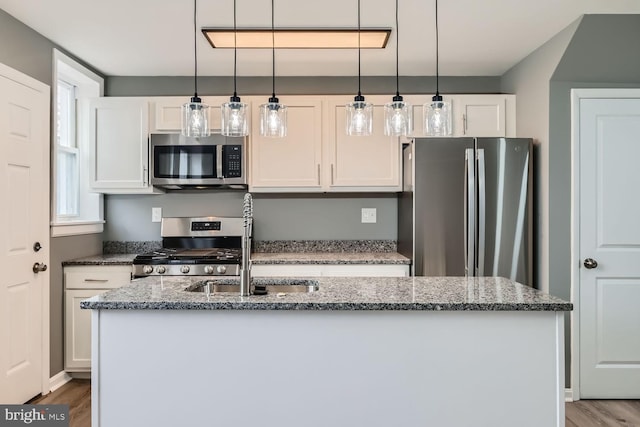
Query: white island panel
pixel 327 368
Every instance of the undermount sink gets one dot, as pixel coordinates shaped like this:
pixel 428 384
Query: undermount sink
pixel 278 287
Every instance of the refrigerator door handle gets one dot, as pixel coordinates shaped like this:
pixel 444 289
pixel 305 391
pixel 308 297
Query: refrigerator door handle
pixel 482 211
pixel 469 211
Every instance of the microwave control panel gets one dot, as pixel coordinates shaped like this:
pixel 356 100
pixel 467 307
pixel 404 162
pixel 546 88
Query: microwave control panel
pixel 232 161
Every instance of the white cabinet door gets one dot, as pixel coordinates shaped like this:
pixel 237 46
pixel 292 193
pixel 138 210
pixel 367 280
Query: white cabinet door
pixel 483 115
pixel 166 113
pixel 82 282
pixel 119 145
pixel 77 339
pixel 361 163
pixel 292 163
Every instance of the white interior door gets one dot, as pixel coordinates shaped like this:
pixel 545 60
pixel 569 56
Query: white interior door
pixel 609 247
pixel 24 196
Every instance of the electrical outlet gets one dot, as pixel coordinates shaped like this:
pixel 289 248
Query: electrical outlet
pixel 369 215
pixel 156 214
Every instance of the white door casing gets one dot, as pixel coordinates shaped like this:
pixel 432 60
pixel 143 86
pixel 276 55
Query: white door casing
pixel 24 220
pixel 606 332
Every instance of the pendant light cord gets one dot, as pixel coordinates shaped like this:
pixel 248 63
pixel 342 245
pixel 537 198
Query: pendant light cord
pixel 273 53
pixel 397 48
pixel 359 93
pixel 195 49
pixel 437 55
pixel 235 49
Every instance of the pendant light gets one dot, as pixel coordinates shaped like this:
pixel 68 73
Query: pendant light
pixel 273 115
pixel 234 113
pixel 359 113
pixel 437 113
pixel 195 114
pixel 398 115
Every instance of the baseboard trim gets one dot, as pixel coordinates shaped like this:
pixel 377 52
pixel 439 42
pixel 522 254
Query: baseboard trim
pixel 568 395
pixel 58 380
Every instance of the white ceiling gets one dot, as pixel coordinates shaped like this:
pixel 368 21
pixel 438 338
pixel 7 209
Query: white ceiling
pixel 155 37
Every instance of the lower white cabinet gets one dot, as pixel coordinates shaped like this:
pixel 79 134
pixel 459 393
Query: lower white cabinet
pixel 82 282
pixel 328 270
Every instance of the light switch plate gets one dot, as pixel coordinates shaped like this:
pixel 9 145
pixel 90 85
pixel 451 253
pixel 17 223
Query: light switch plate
pixel 156 214
pixel 369 215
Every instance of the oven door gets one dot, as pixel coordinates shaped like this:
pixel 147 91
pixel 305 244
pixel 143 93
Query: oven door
pixel 181 162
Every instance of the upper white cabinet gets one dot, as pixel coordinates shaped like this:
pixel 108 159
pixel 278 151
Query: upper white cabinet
pixel 484 115
pixel 361 163
pixel 472 115
pixel 318 156
pixel 118 145
pixel 292 163
pixel 166 112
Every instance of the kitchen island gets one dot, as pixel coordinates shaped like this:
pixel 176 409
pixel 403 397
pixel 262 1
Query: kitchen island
pixel 357 352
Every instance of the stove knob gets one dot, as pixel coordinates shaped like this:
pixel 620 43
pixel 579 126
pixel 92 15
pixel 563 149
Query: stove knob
pixel 147 269
pixel 221 269
pixel 208 269
pixel 184 269
pixel 161 270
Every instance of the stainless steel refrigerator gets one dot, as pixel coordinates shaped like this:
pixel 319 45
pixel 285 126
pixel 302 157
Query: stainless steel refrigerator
pixel 466 207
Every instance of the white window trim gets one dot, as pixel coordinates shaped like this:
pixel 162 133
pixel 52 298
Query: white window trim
pixel 61 226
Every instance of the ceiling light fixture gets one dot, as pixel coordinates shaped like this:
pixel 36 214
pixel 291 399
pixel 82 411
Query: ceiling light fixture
pixel 195 114
pixel 273 115
pixel 398 115
pixel 297 38
pixel 359 113
pixel 234 113
pixel 437 113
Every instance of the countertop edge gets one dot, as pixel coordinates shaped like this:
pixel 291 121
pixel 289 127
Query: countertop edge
pixel 323 306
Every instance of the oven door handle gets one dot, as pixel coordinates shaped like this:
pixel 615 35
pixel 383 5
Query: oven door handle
pixel 219 161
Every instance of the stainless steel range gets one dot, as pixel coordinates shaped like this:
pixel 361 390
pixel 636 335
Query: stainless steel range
pixel 201 246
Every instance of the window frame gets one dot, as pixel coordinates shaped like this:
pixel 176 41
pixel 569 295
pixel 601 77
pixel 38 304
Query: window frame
pixel 90 217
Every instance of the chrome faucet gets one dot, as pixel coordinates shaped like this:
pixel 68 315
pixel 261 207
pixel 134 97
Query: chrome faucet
pixel 245 268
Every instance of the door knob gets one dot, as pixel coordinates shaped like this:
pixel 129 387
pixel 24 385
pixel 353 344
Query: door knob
pixel 590 263
pixel 37 267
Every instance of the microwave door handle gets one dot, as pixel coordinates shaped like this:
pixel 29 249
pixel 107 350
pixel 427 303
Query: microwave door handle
pixel 219 161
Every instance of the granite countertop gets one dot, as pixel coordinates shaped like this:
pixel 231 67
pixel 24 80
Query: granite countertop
pixel 337 293
pixel 270 258
pixel 328 258
pixel 103 259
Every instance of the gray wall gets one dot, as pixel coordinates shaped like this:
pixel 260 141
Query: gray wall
pixel 278 217
pixel 183 86
pixel 301 217
pixel 603 53
pixel 30 53
pixel 530 80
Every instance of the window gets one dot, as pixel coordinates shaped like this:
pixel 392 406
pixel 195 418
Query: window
pixel 75 209
pixel 67 179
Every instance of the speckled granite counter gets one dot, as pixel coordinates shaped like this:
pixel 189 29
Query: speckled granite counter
pixel 265 258
pixel 104 259
pixel 338 293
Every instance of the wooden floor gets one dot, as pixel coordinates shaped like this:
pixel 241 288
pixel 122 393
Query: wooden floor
pixel 76 394
pixel 584 413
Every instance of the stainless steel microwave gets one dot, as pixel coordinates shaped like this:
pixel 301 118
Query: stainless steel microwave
pixel 180 162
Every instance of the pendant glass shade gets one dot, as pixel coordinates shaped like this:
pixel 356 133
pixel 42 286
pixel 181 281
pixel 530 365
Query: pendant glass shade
pixel 195 118
pixel 437 117
pixel 234 118
pixel 398 118
pixel 359 117
pixel 273 119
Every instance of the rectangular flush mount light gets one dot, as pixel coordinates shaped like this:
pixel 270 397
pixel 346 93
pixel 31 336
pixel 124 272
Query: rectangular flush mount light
pixel 298 38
